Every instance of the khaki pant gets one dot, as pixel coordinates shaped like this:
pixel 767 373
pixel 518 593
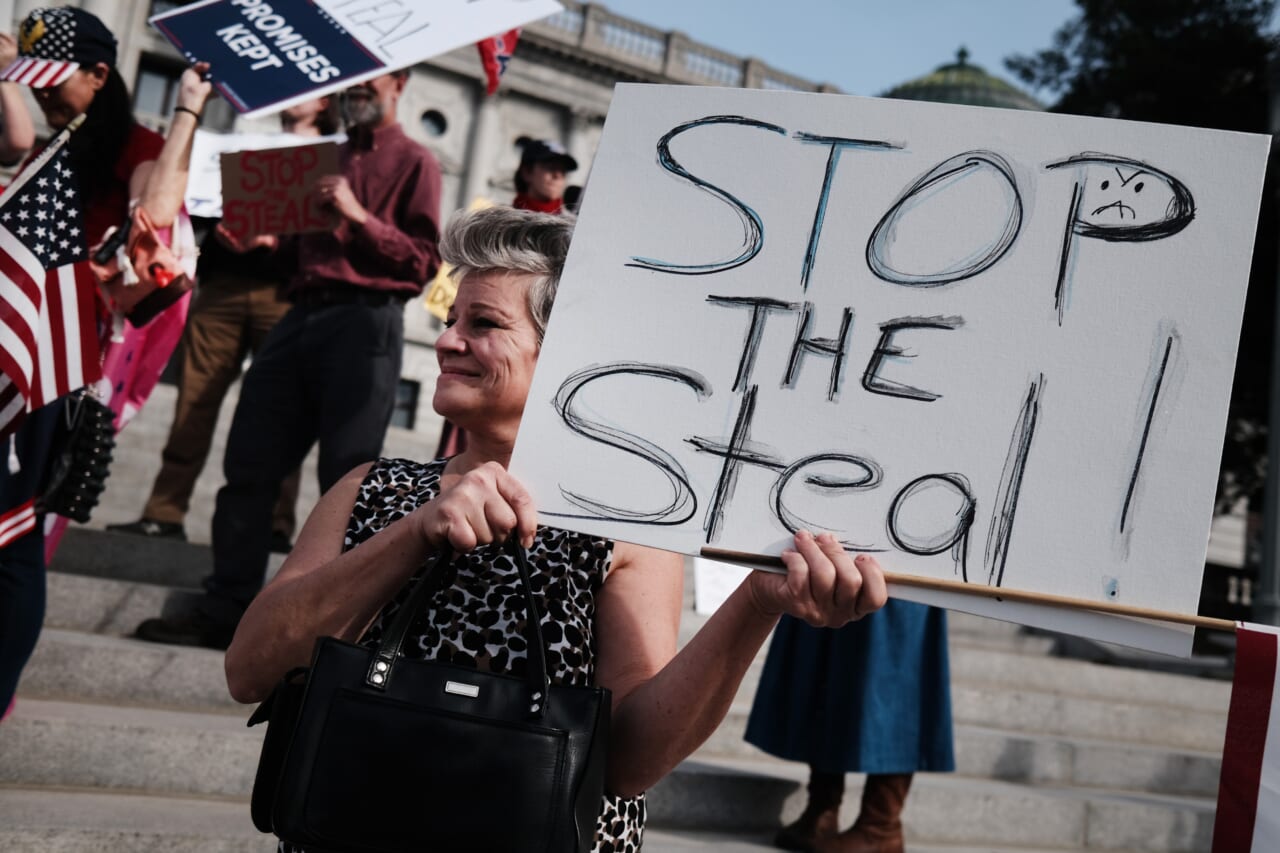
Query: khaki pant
pixel 228 321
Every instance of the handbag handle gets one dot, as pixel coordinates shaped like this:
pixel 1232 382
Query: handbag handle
pixel 389 650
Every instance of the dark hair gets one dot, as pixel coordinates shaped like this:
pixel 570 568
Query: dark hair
pixel 522 186
pixel 94 149
pixel 329 120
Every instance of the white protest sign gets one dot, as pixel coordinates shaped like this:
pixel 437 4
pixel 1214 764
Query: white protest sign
pixel 266 55
pixel 204 182
pixel 990 346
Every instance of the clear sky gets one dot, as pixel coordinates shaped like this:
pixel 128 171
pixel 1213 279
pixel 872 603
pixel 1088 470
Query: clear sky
pixel 862 46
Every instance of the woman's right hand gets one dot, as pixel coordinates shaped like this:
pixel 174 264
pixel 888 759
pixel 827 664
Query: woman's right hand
pixel 194 88
pixel 485 505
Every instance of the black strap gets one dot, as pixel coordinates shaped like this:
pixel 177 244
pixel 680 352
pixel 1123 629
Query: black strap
pixel 389 651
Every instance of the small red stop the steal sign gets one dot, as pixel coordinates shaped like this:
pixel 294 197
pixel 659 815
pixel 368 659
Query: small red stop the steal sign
pixel 273 191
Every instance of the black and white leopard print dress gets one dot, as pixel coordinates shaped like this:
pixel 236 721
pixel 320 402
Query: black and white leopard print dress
pixel 476 616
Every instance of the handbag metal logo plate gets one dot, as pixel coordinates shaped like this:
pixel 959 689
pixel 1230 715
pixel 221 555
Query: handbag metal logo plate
pixel 457 688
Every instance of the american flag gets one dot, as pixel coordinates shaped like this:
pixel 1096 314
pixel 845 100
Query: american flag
pixel 48 316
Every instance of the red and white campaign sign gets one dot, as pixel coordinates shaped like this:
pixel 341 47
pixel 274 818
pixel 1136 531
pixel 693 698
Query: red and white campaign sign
pixel 272 191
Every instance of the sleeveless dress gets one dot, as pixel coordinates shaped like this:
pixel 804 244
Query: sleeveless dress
pixel 476 615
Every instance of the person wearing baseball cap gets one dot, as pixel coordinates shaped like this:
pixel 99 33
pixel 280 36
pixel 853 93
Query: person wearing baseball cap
pixel 540 179
pixel 67 57
pixel 54 43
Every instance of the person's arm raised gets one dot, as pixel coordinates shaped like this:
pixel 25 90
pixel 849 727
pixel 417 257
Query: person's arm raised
pixel 160 185
pixel 18 133
pixel 666 706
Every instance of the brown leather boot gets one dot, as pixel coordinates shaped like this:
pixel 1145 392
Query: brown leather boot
pixel 878 828
pixel 821 816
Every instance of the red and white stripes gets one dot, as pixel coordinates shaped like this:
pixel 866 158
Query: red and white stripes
pixel 38 73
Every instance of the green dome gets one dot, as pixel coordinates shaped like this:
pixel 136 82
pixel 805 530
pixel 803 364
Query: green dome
pixel 962 83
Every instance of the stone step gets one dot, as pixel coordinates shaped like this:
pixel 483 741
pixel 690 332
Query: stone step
pixel 984 753
pixel 115 607
pixel 74 666
pixel 185 755
pixel 127 557
pixel 743 796
pixel 659 839
pixel 106 605
pixel 1042 713
pixel 50 821
pixel 54 744
pixel 63 743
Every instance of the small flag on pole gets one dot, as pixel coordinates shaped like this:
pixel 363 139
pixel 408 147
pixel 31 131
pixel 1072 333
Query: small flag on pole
pixel 1248 819
pixel 495 53
pixel 48 313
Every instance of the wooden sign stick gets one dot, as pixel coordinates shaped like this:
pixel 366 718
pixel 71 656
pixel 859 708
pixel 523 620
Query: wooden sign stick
pixel 771 563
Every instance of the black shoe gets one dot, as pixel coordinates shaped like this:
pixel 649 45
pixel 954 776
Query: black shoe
pixel 151 529
pixel 280 543
pixel 187 629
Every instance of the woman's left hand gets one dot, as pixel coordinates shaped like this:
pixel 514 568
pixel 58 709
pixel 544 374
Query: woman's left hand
pixel 823 585
pixel 194 88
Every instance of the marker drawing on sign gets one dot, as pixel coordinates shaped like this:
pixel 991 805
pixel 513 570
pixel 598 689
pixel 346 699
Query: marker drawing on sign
pixel 760 310
pixel 885 348
pixel 1065 258
pixel 908 533
pixel 949 173
pixel 1118 200
pixel 683 500
pixel 870 475
pixel 833 348
pixel 1015 466
pixel 737 450
pixel 1158 376
pixel 752 227
pixel 837 144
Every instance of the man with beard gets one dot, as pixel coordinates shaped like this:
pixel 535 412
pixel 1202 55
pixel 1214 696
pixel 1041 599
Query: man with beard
pixel 328 371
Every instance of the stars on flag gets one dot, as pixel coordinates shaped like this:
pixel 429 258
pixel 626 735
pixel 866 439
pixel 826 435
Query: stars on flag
pixel 48 201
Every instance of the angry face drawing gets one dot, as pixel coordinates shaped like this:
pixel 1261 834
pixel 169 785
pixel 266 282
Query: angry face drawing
pixel 1121 199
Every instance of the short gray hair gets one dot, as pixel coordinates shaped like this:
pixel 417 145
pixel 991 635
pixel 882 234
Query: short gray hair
pixel 505 239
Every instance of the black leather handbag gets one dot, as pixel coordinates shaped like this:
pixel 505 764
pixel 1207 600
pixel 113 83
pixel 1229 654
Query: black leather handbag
pixel 369 751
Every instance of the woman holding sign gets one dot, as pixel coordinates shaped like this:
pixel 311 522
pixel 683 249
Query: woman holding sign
pixel 67 56
pixel 610 611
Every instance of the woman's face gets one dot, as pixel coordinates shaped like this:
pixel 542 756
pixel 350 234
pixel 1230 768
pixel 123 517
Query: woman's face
pixel 487 353
pixel 546 180
pixel 61 103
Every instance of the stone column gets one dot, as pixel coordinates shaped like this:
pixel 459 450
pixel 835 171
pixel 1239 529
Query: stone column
pixel 577 143
pixel 483 152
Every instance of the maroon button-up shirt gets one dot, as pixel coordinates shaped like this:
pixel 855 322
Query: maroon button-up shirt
pixel 398 182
